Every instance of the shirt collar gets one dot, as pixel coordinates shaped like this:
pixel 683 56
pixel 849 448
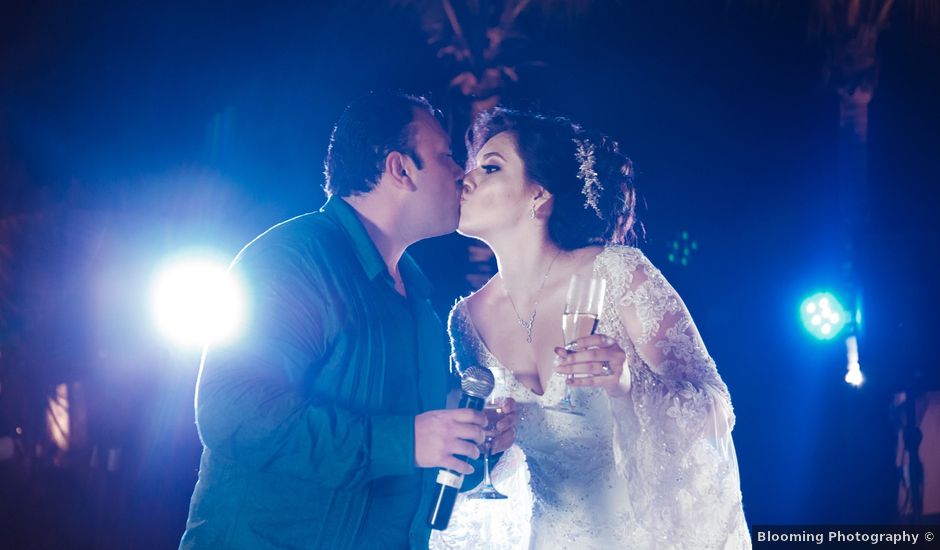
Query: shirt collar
pixel 372 263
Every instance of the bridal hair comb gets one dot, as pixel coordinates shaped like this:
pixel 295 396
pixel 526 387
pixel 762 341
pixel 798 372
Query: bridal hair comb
pixel 592 185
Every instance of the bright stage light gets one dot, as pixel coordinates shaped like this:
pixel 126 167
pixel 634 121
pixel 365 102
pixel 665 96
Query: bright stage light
pixel 196 302
pixel 853 374
pixel 854 377
pixel 823 315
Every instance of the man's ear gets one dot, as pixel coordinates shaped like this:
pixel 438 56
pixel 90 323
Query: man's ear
pixel 397 168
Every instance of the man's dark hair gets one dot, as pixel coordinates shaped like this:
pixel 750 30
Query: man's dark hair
pixel 370 128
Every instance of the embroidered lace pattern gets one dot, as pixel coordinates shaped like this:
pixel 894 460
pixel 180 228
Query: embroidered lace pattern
pixel 654 469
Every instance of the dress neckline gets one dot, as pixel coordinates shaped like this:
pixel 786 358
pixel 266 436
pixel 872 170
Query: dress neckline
pixel 463 310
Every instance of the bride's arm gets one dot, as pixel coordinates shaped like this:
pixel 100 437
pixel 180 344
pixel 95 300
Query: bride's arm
pixel 672 434
pixel 683 389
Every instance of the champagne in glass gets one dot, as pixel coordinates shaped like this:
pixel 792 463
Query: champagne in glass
pixel 578 325
pixel 584 305
pixel 494 413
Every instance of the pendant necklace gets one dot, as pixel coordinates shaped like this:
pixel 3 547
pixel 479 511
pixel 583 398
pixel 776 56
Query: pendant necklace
pixel 527 324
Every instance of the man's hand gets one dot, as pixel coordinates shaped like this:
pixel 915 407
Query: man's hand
pixel 439 435
pixel 505 433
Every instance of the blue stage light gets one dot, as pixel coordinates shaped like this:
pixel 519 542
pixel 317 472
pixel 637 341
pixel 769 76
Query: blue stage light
pixel 823 316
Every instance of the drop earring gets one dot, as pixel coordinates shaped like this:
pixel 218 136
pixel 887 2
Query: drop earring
pixel 532 213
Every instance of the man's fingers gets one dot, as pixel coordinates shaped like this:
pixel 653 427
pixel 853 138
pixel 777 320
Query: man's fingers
pixel 470 431
pixel 465 448
pixel 468 416
pixel 457 465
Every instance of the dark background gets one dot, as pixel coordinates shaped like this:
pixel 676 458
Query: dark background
pixel 130 131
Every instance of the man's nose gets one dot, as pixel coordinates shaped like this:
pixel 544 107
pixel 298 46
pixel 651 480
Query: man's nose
pixel 457 171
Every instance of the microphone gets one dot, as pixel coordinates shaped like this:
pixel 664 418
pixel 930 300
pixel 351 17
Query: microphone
pixel 476 384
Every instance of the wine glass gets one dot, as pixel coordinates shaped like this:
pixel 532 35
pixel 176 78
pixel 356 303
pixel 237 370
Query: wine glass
pixel 584 305
pixel 494 412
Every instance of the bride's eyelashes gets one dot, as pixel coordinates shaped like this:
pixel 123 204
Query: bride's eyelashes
pixel 490 168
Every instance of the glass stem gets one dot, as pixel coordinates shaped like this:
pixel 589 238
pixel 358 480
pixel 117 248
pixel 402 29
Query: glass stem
pixel 567 399
pixel 486 464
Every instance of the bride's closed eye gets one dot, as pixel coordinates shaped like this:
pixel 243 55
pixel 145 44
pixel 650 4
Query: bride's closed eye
pixel 490 168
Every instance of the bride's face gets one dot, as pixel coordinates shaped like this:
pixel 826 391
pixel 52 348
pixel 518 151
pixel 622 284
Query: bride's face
pixel 496 195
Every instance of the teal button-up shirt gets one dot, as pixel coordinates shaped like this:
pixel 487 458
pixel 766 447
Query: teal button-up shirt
pixel 307 421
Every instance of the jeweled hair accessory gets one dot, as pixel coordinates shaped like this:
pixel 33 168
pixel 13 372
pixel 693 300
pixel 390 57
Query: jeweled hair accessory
pixel 592 184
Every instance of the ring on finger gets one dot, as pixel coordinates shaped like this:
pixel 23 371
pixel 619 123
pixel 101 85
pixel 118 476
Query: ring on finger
pixel 605 368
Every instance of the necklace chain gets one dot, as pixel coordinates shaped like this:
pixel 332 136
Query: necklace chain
pixel 527 324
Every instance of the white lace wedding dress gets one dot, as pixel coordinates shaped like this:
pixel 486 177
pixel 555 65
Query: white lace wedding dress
pixel 655 469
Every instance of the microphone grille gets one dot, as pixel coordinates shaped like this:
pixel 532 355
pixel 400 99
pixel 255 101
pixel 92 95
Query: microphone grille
pixel 477 381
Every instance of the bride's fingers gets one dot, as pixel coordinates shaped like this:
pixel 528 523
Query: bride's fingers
pixel 581 368
pixel 587 381
pixel 592 341
pixel 509 421
pixel 503 441
pixel 592 370
pixel 612 355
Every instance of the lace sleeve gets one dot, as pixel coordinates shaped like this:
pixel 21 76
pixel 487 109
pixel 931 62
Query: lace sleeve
pixel 681 391
pixel 673 429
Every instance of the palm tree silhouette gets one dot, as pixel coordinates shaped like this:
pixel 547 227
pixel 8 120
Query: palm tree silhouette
pixel 484 51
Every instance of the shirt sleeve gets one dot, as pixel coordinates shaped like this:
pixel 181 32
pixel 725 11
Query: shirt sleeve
pixel 250 403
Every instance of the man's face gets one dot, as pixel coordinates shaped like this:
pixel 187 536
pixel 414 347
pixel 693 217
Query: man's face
pixel 437 199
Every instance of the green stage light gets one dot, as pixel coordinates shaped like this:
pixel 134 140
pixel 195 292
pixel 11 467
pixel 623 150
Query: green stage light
pixel 823 315
pixel 681 249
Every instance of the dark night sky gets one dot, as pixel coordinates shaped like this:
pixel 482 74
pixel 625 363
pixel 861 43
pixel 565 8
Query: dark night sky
pixel 190 123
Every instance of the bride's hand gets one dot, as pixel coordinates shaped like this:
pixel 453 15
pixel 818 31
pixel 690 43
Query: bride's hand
pixel 595 361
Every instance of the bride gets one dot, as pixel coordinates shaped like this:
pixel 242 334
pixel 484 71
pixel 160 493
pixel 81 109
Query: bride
pixel 650 463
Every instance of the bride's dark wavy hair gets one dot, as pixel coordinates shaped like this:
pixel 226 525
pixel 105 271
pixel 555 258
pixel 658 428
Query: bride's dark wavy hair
pixel 548 151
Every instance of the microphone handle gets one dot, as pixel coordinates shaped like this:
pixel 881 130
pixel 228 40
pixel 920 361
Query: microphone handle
pixel 448 481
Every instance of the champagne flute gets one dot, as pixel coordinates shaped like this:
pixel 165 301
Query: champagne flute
pixel 494 413
pixel 584 305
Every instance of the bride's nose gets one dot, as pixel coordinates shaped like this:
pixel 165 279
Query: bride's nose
pixel 468 183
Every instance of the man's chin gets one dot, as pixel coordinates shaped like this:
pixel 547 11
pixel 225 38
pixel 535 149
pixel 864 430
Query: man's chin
pixel 447 229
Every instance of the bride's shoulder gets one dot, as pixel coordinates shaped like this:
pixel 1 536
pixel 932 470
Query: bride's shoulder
pixel 476 299
pixel 480 298
pixel 621 257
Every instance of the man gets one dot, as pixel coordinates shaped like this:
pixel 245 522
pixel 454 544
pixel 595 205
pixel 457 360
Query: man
pixel 323 428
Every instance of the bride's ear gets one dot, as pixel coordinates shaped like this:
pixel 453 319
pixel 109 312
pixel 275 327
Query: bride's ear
pixel 542 198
